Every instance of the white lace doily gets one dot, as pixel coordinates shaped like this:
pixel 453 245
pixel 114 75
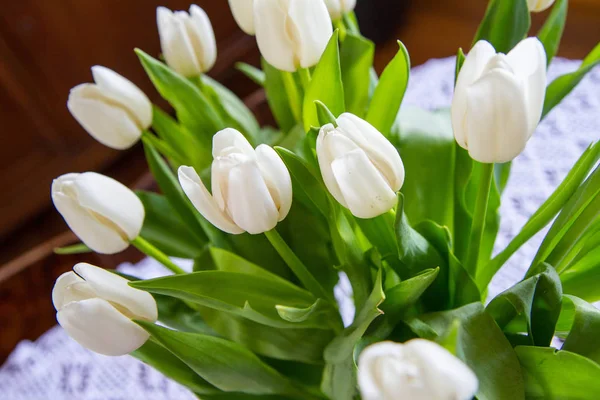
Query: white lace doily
pixel 56 367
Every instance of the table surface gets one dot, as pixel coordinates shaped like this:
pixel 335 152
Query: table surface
pixel 56 367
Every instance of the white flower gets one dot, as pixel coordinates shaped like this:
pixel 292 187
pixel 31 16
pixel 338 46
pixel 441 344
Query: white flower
pixel 251 189
pixel 243 13
pixel 539 5
pixel 113 110
pixel 95 307
pixel 102 212
pixel 360 167
pixel 498 100
pixel 187 40
pixel 337 8
pixel 416 370
pixel 292 34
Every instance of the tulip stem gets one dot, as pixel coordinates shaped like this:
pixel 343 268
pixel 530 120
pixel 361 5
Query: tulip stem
pixel 479 215
pixel 148 249
pixel 305 78
pixel 297 267
pixel 162 147
pixel 293 94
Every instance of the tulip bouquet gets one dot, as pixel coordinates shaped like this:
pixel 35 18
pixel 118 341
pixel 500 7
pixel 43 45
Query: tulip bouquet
pixel 401 202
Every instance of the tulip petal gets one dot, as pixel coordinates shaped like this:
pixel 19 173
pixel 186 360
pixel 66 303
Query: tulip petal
pixel 229 141
pixel 203 201
pixel 96 235
pixel 175 43
pixel 364 189
pixel 497 123
pixel 528 61
pixel 471 70
pixel 100 327
pixel 312 25
pixel 249 202
pixel 326 147
pixel 377 374
pixel 112 200
pixel 63 293
pixel 108 123
pixel 277 178
pixel 134 303
pixel 274 43
pixel 202 37
pixel 121 90
pixel 243 13
pixel 379 150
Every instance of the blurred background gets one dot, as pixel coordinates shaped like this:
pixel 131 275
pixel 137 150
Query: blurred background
pixel 47 47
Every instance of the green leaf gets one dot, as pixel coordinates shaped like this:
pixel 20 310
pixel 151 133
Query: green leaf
pixel 485 349
pixel 389 93
pixel 563 85
pixel 537 299
pixel 194 110
pixel 228 366
pixel 79 248
pixel 324 115
pixel 581 279
pixel 237 114
pixel 164 229
pixel 255 74
pixel 178 315
pixel 552 374
pixel 194 150
pixel 277 97
pixel 460 60
pixel 326 85
pixel 580 323
pixel 173 368
pixel 553 28
pixel 506 23
pixel 381 232
pixel 356 56
pixel 339 380
pixel 229 262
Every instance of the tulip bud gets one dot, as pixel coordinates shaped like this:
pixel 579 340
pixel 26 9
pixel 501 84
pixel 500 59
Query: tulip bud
pixel 187 40
pixel 416 370
pixel 243 13
pixel 498 100
pixel 361 168
pixel 539 5
pixel 292 34
pixel 102 212
pixel 113 110
pixel 251 189
pixel 96 307
pixel 337 8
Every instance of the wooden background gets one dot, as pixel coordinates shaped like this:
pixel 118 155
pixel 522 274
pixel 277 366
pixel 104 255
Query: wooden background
pixel 47 47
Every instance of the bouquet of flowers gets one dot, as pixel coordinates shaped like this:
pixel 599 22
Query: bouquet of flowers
pixel 401 202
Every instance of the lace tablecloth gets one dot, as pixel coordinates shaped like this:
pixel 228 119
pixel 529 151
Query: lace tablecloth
pixel 56 367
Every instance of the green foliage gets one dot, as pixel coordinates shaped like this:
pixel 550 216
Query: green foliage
pixel 356 58
pixel 277 97
pixel 506 23
pixel 551 33
pixel 580 323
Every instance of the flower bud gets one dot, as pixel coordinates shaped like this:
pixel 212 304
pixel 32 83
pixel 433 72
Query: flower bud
pixel 187 40
pixel 292 34
pixel 539 5
pixel 243 13
pixel 102 212
pixel 416 370
pixel 251 189
pixel 95 307
pixel 337 8
pixel 361 168
pixel 498 100
pixel 113 110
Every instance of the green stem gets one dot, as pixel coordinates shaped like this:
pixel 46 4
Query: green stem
pixel 297 267
pixel 293 94
pixel 163 147
pixel 145 247
pixel 479 214
pixel 304 78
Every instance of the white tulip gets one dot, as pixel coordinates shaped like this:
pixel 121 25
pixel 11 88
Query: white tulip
pixel 95 307
pixel 292 34
pixel 102 212
pixel 361 168
pixel 498 100
pixel 337 8
pixel 539 5
pixel 243 13
pixel 187 40
pixel 416 370
pixel 113 110
pixel 251 189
